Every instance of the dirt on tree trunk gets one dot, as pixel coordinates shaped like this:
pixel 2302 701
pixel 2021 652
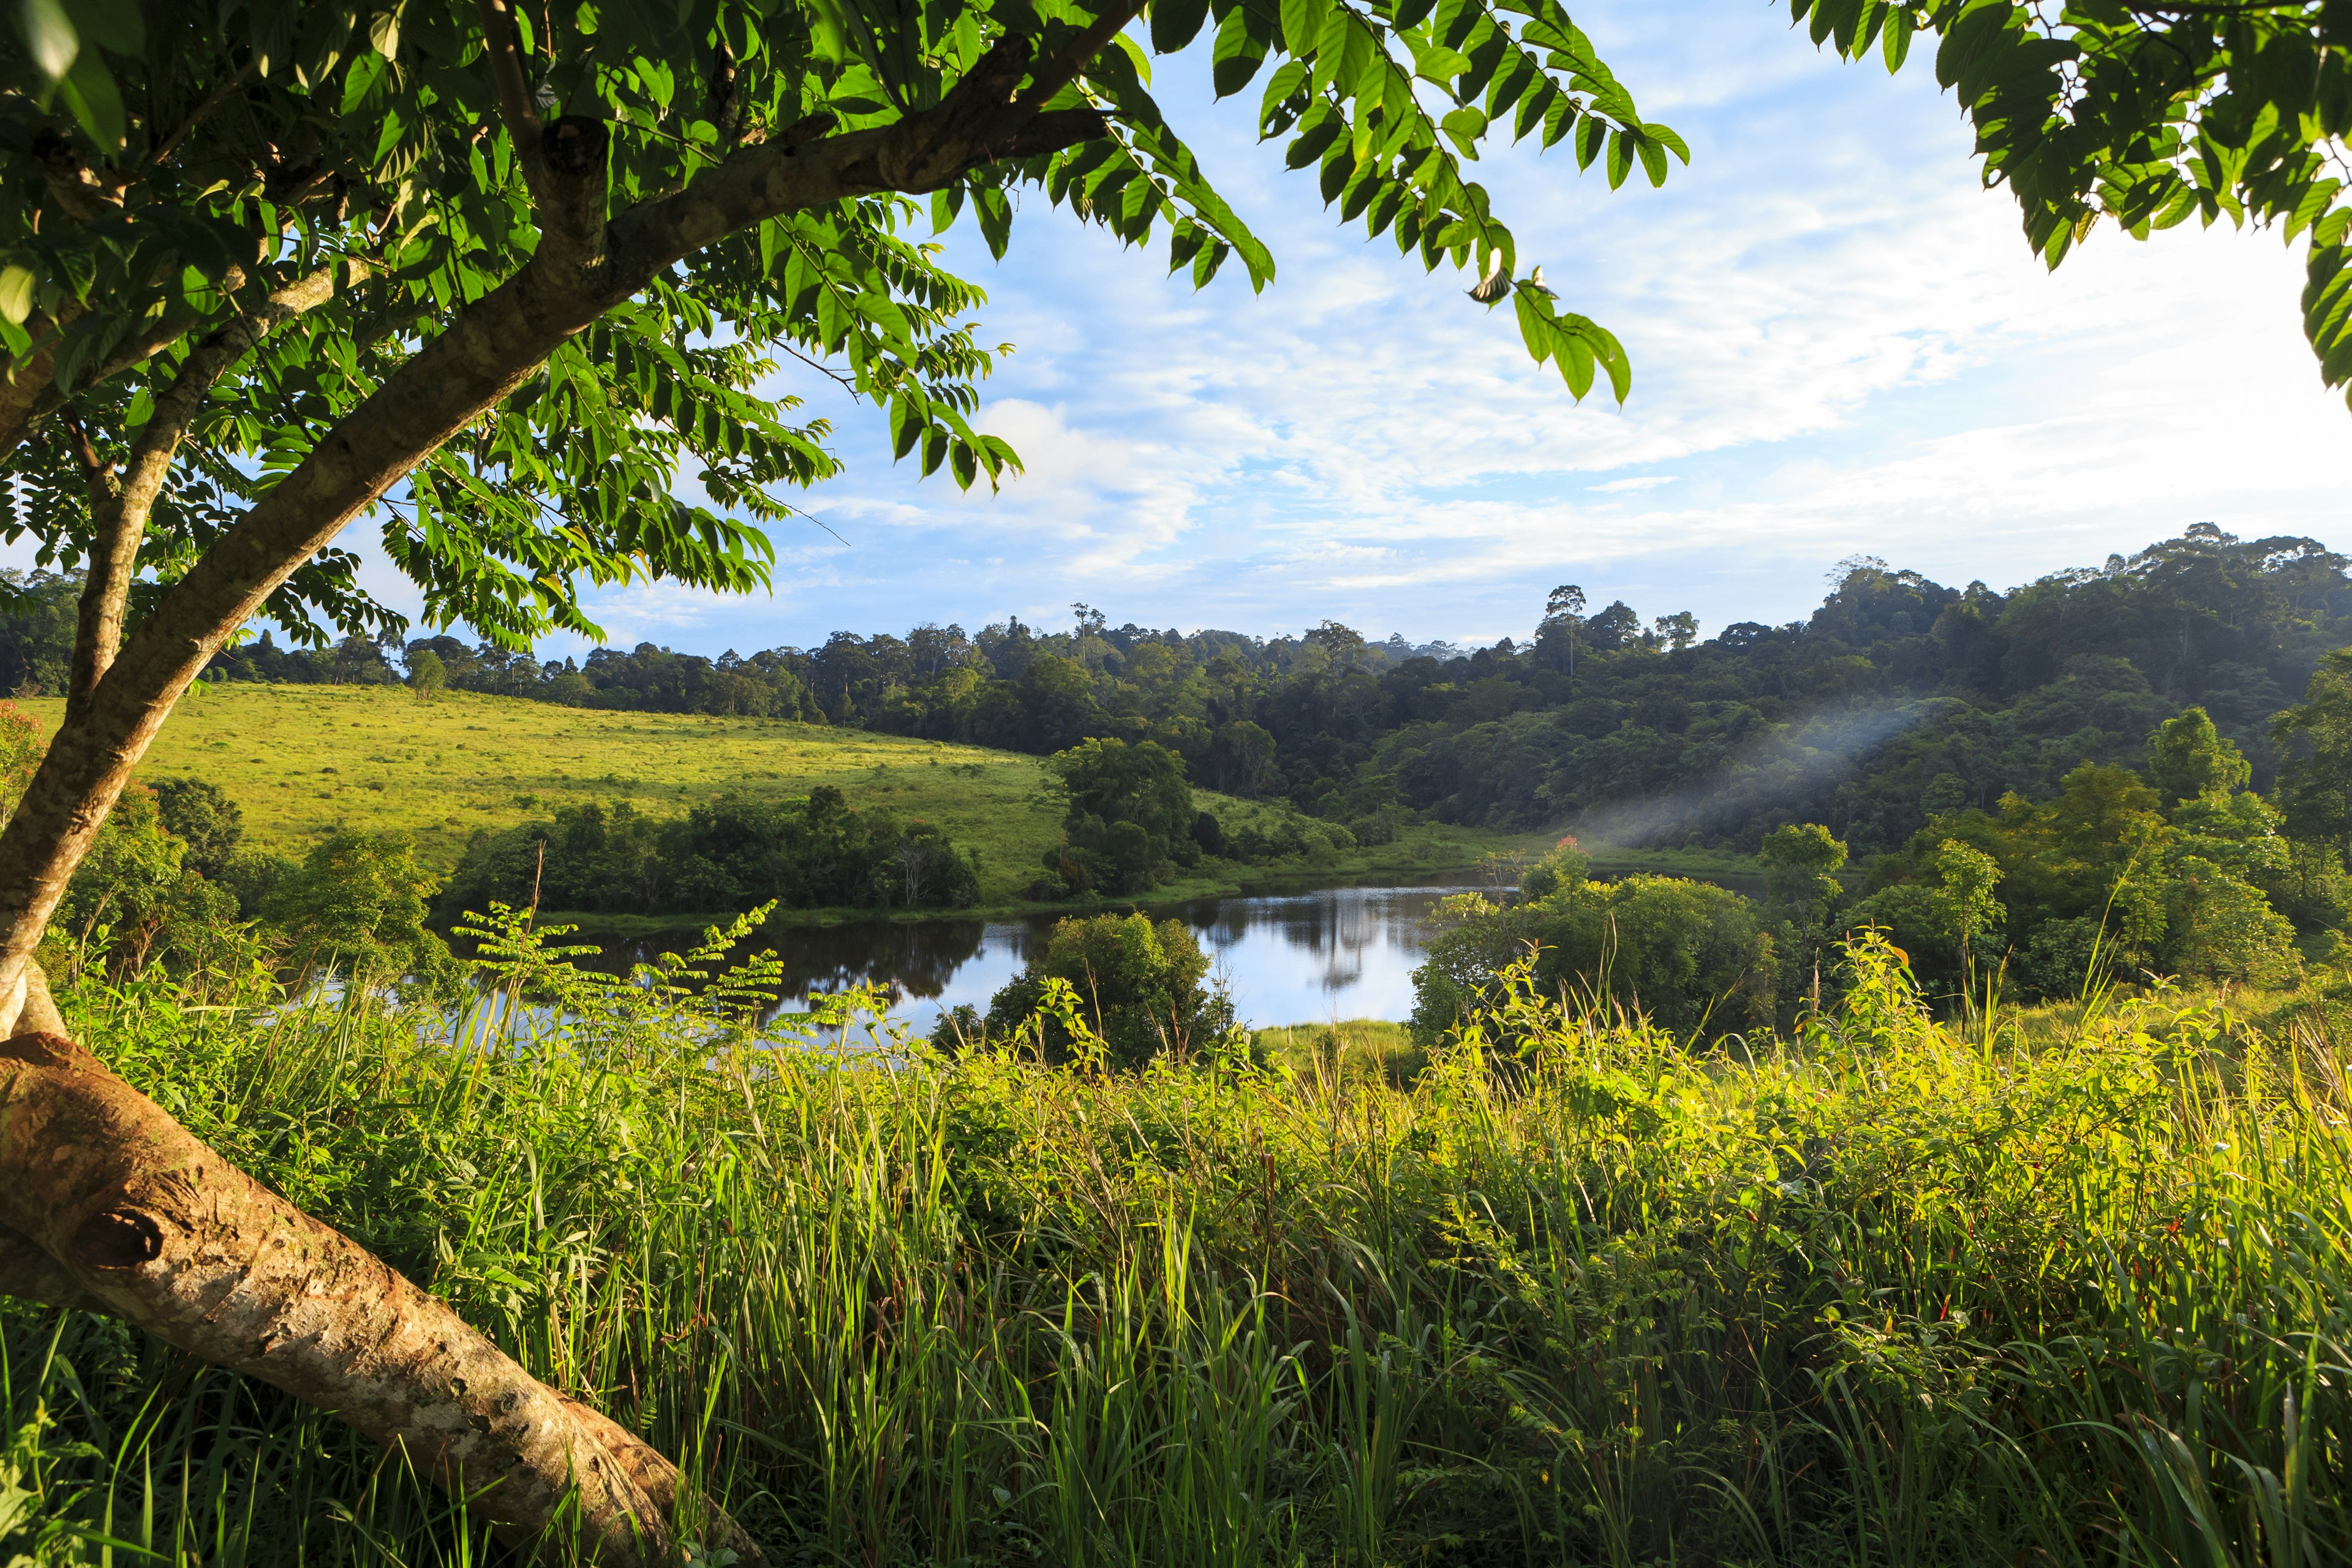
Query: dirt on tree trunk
pixel 108 1203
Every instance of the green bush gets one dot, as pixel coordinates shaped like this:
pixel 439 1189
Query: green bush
pixel 1694 958
pixel 1144 989
pixel 726 856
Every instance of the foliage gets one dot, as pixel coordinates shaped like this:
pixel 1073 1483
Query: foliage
pixel 1878 1295
pixel 2104 874
pixel 1130 817
pixel 2148 114
pixel 1135 991
pixel 2314 736
pixel 728 855
pixel 202 817
pixel 1693 958
pixel 358 905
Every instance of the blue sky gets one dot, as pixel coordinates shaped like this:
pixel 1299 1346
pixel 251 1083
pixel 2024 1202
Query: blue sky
pixel 1840 345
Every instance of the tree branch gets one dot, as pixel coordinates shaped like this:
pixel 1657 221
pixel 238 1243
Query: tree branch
pixel 120 507
pixel 487 351
pixel 1072 57
pixel 503 54
pixel 563 164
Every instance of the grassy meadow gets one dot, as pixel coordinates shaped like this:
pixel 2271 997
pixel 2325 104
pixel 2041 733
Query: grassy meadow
pixel 303 761
pixel 1889 1292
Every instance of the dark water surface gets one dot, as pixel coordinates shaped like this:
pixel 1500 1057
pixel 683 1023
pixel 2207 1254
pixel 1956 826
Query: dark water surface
pixel 1288 958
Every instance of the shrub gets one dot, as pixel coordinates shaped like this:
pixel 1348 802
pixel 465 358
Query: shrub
pixel 1143 989
pixel 1692 957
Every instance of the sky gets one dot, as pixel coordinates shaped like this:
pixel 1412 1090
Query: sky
pixel 1840 346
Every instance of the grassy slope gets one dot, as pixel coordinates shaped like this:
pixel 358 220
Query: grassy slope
pixel 305 761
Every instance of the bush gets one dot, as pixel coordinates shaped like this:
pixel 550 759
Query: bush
pixel 1141 987
pixel 1692 957
pixel 729 856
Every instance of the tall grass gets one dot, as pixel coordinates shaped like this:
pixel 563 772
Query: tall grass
pixel 1883 1293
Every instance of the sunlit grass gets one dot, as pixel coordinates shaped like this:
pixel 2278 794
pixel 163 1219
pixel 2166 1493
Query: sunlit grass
pixel 1891 1293
pixel 303 761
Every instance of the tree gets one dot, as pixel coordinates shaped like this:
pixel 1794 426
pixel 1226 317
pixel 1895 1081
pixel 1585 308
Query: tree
pixel 1964 902
pixel 498 274
pixel 201 816
pixel 2148 112
pixel 2315 783
pixel 1130 813
pixel 2188 757
pixel 358 905
pixel 1801 865
pixel 427 676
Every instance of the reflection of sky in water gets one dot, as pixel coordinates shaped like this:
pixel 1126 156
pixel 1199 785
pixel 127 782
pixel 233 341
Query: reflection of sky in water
pixel 1340 952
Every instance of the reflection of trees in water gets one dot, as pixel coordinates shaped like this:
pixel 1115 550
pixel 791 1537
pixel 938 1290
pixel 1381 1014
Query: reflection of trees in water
pixel 1338 929
pixel 910 958
pixel 1327 939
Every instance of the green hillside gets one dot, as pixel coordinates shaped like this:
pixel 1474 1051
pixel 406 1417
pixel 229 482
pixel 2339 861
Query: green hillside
pixel 306 761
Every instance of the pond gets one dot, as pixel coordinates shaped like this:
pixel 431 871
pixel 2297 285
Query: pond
pixel 1287 957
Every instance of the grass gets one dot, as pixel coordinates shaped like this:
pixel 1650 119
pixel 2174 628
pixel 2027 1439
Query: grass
pixel 1354 1050
pixel 1887 1293
pixel 303 761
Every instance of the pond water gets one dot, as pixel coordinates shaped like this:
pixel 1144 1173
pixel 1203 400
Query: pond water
pixel 1287 957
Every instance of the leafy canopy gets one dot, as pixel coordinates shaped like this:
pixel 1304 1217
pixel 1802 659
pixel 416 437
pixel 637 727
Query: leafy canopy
pixel 2149 112
pixel 169 170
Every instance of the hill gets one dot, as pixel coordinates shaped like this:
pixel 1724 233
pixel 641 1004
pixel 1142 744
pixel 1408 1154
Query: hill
pixel 305 761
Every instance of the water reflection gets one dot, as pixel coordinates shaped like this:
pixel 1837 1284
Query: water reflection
pixel 1335 953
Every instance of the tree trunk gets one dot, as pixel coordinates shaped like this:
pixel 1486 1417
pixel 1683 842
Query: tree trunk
pixel 109 1203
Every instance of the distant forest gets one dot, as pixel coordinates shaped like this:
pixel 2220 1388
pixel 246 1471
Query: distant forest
pixel 1897 699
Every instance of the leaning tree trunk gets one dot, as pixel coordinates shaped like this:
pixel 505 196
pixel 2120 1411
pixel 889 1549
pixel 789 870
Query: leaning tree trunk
pixel 105 1201
pixel 109 1203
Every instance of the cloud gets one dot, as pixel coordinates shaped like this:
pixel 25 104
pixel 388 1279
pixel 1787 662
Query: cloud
pixel 1840 343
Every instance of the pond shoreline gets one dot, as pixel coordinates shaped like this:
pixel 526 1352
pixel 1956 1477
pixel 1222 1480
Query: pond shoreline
pixel 1738 872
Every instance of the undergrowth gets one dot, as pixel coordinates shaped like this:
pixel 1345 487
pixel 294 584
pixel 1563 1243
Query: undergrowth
pixel 1889 1292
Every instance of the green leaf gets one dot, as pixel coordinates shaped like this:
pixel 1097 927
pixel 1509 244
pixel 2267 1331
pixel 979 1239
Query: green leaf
pixel 1895 43
pixel 109 24
pixel 1175 23
pixel 16 293
pixel 1464 127
pixel 994 210
pixel 1236 55
pixel 1302 24
pixel 1621 157
pixel 88 90
pixel 1654 160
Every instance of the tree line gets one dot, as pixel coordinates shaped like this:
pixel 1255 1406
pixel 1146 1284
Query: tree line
pixel 1897 699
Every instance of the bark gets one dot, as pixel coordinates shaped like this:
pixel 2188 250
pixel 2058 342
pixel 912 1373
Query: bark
pixel 122 504
pixel 150 1223
pixel 104 1199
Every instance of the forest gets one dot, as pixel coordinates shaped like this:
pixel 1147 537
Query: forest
pixel 1897 698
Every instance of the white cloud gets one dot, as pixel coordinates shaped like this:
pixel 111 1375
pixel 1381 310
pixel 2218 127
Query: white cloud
pixel 1840 343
